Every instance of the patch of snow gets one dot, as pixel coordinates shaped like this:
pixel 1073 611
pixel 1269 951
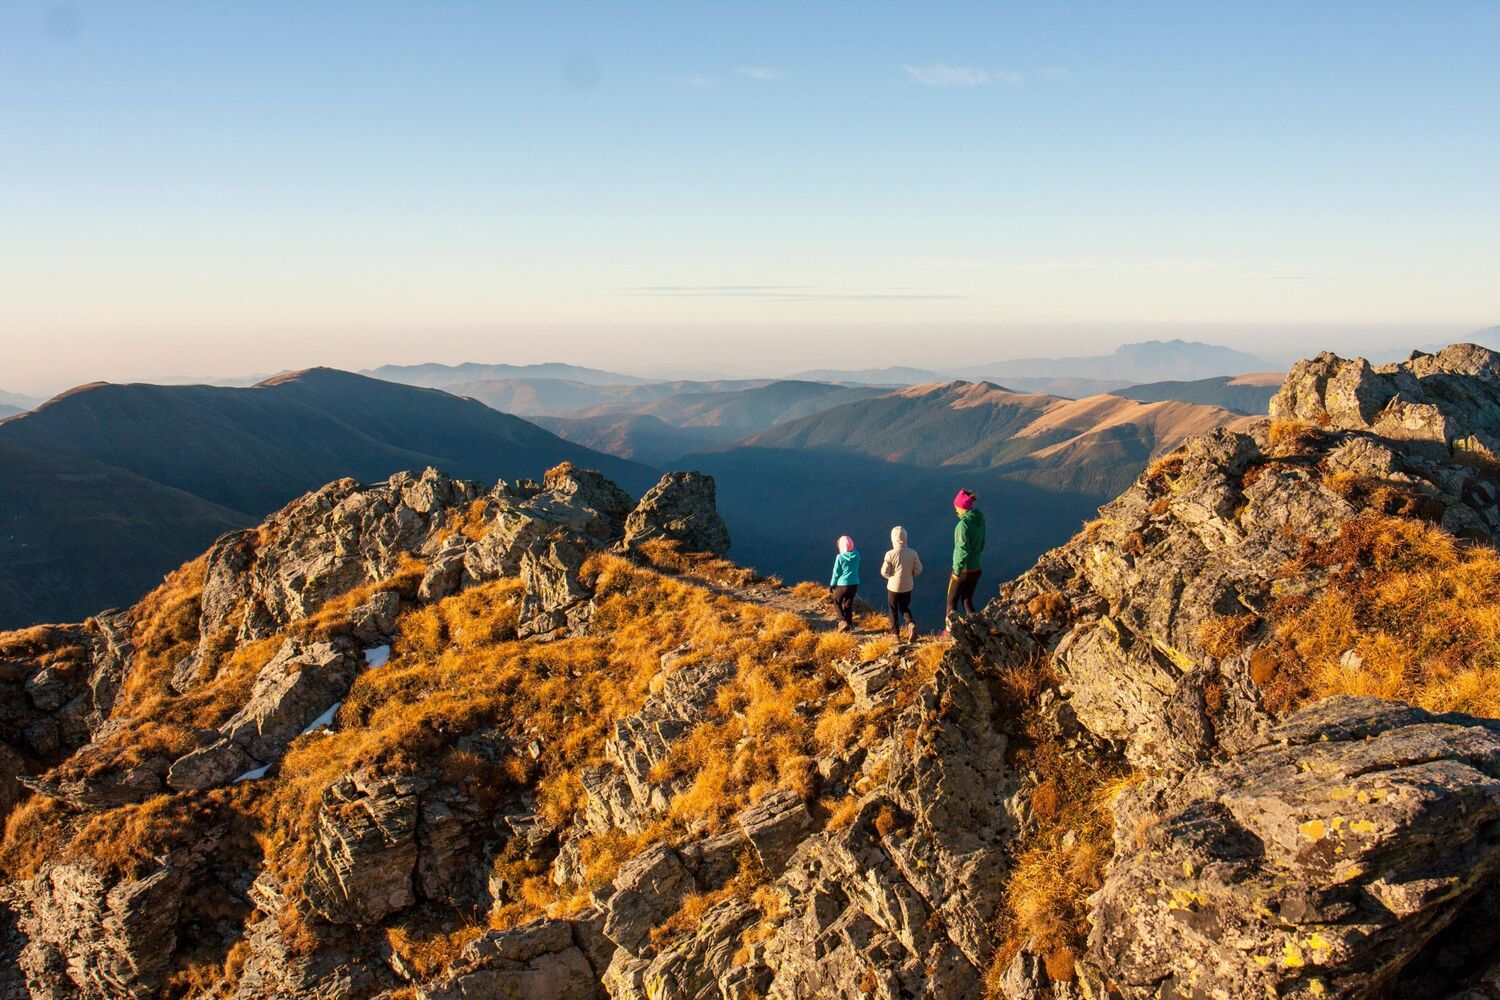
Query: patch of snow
pixel 377 656
pixel 259 772
pixel 323 720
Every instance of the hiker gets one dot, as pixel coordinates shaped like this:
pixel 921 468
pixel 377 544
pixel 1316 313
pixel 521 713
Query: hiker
pixel 901 567
pixel 968 543
pixel 845 582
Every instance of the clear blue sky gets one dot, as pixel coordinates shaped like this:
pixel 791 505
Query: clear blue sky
pixel 199 187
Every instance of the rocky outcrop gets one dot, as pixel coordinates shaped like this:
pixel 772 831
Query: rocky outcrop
pixel 538 962
pixel 1450 399
pixel 299 684
pixel 624 794
pixel 323 545
pixel 98 935
pixel 1311 866
pixel 682 508
pixel 57 688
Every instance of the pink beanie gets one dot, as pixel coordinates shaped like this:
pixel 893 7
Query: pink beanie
pixel 846 544
pixel 964 500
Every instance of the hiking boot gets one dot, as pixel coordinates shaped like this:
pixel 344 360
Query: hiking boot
pixel 843 626
pixel 911 632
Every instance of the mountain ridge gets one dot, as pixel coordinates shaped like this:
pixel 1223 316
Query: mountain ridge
pixel 1237 735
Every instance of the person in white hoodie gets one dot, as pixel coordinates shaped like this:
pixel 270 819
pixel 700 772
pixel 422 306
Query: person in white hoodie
pixel 901 567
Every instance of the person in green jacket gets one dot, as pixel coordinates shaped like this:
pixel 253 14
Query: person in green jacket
pixel 968 543
pixel 844 583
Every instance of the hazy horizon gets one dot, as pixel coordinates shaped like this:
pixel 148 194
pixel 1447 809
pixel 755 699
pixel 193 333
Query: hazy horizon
pixel 221 189
pixel 875 348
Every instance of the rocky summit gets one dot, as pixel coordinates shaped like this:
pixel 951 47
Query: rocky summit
pixel 433 739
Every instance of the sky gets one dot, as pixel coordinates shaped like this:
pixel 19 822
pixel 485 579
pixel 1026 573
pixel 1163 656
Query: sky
pixel 195 188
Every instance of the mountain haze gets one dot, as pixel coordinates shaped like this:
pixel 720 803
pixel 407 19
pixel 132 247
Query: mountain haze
pixel 1248 393
pixel 439 376
pixel 1148 361
pixel 1041 464
pixel 240 452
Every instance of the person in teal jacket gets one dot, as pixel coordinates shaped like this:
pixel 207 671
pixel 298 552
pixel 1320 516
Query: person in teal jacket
pixel 968 543
pixel 844 583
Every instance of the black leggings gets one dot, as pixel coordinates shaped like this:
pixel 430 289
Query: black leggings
pixel 898 606
pixel 961 587
pixel 843 603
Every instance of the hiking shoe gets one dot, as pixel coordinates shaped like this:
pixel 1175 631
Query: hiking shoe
pixel 911 632
pixel 843 626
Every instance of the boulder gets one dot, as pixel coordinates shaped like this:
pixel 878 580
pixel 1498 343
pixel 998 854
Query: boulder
pixel 555 598
pixel 647 891
pixel 365 851
pixel 296 686
pixel 1307 867
pixel 681 508
pixel 1450 399
pixel 539 961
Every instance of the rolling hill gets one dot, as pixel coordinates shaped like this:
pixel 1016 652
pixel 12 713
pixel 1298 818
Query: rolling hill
pixel 528 397
pixel 1041 464
pixel 1249 393
pixel 221 457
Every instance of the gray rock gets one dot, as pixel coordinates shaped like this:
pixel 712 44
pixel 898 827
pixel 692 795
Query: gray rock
pixel 293 689
pixel 681 508
pixel 647 891
pixel 365 850
pixel 775 826
pixel 1301 868
pixel 539 961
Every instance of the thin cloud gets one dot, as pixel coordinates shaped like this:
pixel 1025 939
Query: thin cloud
pixel 944 75
pixel 699 82
pixel 764 74
pixel 784 293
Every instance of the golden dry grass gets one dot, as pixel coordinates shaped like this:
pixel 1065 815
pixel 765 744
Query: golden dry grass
pixel 428 952
pixel 1418 609
pixel 1061 860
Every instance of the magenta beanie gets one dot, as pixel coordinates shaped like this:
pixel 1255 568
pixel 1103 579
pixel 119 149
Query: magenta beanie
pixel 846 544
pixel 964 500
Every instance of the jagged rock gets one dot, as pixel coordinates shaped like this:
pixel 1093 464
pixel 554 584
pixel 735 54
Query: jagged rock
pixel 296 686
pixel 555 597
pixel 373 623
pixel 697 965
pixel 647 891
pixel 1305 867
pixel 323 545
pixel 625 795
pixel 1451 399
pixel 345 967
pixel 444 574
pixel 681 508
pixel 539 961
pixel 365 850
pixel 57 686
pixel 775 826
pixel 93 934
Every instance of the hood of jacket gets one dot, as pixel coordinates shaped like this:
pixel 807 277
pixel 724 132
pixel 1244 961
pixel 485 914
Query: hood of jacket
pixel 898 537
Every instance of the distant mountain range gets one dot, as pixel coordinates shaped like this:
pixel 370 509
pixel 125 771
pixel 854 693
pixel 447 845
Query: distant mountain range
pixel 529 397
pixel 1250 393
pixel 1041 464
pixel 6 410
pixel 149 475
pixel 1150 361
pixel 434 376
pixel 15 401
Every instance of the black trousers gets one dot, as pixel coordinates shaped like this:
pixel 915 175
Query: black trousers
pixel 898 606
pixel 843 603
pixel 961 588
